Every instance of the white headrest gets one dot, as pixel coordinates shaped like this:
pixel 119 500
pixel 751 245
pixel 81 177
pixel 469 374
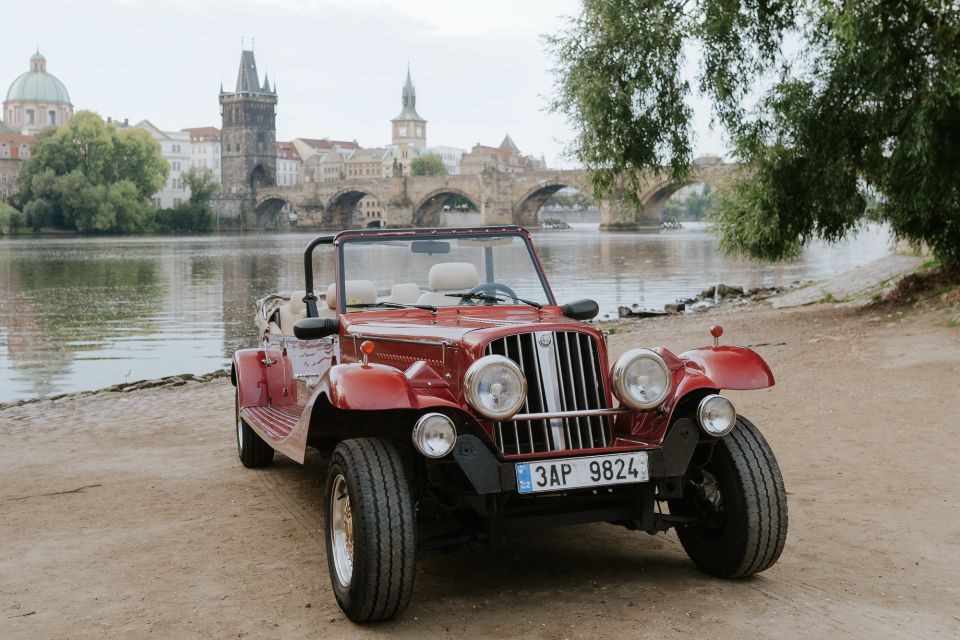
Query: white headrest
pixel 358 292
pixel 296 302
pixel 458 276
pixel 405 293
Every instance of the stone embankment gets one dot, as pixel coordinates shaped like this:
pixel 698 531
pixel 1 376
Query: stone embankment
pixel 857 287
pixel 126 387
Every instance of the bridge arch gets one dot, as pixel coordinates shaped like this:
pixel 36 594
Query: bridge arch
pixel 339 209
pixel 527 207
pixel 428 212
pixel 270 210
pixel 657 195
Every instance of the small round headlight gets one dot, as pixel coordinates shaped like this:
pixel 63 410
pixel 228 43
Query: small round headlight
pixel 717 415
pixel 495 387
pixel 434 435
pixel 640 379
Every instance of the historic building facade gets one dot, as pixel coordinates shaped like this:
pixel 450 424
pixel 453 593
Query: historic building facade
pixel 175 149
pixel 205 149
pixel 506 158
pixel 14 149
pixel 36 100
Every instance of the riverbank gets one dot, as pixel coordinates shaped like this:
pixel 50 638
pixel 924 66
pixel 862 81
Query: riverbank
pixel 127 515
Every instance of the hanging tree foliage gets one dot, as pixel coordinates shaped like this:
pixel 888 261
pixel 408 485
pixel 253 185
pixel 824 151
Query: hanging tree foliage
pixel 828 104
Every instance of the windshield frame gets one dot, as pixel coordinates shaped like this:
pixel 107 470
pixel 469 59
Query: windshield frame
pixel 347 237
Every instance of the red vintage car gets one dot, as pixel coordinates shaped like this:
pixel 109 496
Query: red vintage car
pixel 448 385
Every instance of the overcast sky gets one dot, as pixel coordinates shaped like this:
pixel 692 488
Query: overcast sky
pixel 480 68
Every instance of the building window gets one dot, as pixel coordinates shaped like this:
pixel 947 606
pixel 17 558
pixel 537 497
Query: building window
pixel 30 116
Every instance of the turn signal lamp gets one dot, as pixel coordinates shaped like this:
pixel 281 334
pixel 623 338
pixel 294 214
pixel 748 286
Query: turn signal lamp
pixel 716 331
pixel 366 348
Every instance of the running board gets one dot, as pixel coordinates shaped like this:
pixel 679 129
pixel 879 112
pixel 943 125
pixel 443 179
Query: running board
pixel 274 421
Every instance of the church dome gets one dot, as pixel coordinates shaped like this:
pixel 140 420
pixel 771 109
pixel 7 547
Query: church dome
pixel 37 85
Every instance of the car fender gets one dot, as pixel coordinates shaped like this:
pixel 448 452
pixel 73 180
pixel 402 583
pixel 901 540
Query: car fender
pixel 249 377
pixel 734 368
pixel 704 369
pixel 374 387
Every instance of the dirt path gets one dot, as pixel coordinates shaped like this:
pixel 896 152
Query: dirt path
pixel 128 515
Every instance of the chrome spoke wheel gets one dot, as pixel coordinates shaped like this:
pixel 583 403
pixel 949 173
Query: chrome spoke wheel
pixel 341 531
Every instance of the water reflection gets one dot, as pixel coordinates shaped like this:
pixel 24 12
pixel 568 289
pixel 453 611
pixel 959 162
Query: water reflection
pixel 83 313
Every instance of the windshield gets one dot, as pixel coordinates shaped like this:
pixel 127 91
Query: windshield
pixel 431 270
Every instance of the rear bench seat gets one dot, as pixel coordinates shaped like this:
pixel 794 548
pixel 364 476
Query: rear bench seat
pixel 358 292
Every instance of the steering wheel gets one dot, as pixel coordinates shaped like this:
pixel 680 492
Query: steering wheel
pixel 490 288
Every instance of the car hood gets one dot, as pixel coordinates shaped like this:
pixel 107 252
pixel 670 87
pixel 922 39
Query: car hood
pixel 469 326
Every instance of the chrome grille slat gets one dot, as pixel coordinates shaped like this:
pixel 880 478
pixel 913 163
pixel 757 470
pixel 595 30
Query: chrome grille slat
pixel 578 388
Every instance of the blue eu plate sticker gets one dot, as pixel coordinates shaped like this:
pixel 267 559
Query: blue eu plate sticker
pixel 524 482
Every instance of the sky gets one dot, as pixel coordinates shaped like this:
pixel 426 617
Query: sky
pixel 480 68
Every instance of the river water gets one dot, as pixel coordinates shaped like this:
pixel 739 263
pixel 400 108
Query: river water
pixel 85 313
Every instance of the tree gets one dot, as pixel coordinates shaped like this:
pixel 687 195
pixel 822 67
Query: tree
pixel 90 176
pixel 824 102
pixel 203 185
pixel 429 164
pixel 10 219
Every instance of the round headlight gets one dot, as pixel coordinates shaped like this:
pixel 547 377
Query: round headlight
pixel 495 387
pixel 640 379
pixel 717 415
pixel 434 435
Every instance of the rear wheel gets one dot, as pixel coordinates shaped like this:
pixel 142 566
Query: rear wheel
pixel 740 495
pixel 251 448
pixel 371 539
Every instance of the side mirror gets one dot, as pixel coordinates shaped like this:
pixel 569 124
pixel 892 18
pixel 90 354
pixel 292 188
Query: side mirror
pixel 314 328
pixel 581 309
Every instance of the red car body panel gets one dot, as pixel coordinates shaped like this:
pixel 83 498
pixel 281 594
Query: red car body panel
pixel 418 363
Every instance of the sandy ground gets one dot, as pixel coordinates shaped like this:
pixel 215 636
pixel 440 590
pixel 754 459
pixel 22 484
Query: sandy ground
pixel 128 515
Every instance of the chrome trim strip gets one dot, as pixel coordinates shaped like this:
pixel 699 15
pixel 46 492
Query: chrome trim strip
pixel 567 414
pixel 546 355
pixel 430 343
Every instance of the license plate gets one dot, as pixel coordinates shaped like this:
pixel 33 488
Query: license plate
pixel 576 473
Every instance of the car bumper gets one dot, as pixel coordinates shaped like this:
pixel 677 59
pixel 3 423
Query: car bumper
pixel 488 475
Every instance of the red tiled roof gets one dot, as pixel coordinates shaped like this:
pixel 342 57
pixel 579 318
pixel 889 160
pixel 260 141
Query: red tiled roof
pixel 203 133
pixel 330 144
pixel 287 151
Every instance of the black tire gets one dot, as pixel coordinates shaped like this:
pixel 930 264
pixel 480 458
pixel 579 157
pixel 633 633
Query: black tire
pixel 750 528
pixel 251 448
pixel 380 514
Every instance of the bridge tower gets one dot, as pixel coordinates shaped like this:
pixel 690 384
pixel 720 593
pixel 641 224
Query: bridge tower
pixel 248 137
pixel 408 127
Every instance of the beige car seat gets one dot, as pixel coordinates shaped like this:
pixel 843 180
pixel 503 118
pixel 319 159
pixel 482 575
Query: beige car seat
pixel 449 277
pixel 358 292
pixel 405 293
pixel 292 311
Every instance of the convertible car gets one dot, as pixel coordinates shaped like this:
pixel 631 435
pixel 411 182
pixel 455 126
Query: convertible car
pixel 450 389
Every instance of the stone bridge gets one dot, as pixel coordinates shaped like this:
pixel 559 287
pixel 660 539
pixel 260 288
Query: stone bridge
pixel 500 197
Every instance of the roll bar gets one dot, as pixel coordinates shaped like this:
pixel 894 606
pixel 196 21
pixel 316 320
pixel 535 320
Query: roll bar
pixel 310 299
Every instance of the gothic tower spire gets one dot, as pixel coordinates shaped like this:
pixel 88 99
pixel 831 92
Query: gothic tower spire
pixel 409 127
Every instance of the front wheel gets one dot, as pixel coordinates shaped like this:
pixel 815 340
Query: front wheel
pixel 739 494
pixel 370 530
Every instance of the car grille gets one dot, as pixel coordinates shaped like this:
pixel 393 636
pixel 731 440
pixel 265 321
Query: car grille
pixel 563 374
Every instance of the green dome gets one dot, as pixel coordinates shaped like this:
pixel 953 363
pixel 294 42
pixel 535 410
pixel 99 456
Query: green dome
pixel 37 85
